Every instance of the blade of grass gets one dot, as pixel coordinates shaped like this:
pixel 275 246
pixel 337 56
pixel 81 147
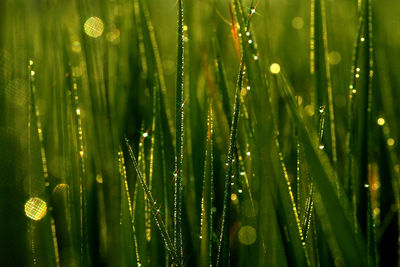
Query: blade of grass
pixel 223 248
pixel 156 214
pixel 332 210
pixel 206 225
pixel 179 126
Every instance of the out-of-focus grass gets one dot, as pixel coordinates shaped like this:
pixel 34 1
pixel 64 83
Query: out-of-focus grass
pixel 293 160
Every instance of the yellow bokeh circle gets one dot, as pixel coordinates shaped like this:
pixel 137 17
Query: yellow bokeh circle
pixel 93 27
pixel 35 208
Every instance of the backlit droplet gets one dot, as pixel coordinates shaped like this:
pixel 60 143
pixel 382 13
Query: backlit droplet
pixel 250 41
pixel 255 57
pixel 247 235
pixel 321 146
pixel 35 208
pixel 275 68
pixel 362 39
pixel 93 27
pixel 248 33
pixel 248 153
pixel 381 121
pixel 248 88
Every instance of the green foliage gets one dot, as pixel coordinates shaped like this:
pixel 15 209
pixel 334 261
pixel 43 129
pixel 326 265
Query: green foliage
pixel 199 133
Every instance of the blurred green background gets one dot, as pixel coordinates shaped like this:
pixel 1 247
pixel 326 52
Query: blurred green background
pixel 77 77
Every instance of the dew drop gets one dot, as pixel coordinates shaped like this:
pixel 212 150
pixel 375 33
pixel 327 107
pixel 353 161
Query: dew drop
pixel 321 146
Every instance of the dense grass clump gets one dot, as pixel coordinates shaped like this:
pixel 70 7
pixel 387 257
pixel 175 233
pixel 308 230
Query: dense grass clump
pixel 199 133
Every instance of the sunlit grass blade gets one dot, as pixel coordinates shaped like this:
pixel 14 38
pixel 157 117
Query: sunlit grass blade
pixel 156 213
pixel 179 119
pixel 321 70
pixel 223 249
pixel 345 243
pixel 206 225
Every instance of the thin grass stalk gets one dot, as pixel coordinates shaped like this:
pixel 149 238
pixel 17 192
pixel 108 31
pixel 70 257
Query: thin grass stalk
pixel 156 211
pixel 179 124
pixel 329 205
pixel 350 178
pixel 223 248
pixel 36 112
pixel 206 223
pixel 157 58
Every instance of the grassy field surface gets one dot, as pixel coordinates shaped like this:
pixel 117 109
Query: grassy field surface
pixel 199 133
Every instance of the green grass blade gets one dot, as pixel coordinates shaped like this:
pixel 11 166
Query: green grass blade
pixel 156 213
pixel 179 119
pixel 333 212
pixel 223 249
pixel 206 225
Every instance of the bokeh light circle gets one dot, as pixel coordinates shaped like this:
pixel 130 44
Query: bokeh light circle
pixel 94 27
pixel 247 235
pixel 35 208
